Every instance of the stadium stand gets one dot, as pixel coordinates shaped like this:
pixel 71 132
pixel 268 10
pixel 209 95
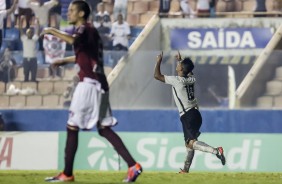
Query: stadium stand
pixel 32 85
pixel 250 90
pixel 265 102
pixel 2 87
pixel 4 101
pixel 17 101
pixel 278 102
pixel 51 101
pixel 273 5
pixel 34 101
pixel 12 38
pixel 45 87
pixel 139 14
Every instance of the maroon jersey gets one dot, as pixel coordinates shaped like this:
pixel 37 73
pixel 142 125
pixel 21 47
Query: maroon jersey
pixel 88 49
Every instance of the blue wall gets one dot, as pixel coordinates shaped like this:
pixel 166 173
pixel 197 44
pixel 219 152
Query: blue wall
pixel 244 121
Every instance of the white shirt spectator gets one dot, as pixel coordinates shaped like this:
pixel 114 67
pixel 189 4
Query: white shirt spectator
pixel 3 14
pixel 3 5
pixel 187 9
pixel 120 33
pixel 203 5
pixel 23 4
pixel 42 12
pixel 29 46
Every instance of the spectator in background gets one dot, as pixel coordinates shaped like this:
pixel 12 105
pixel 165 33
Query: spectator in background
pixel 8 67
pixel 203 8
pixel 164 8
pixel 41 10
pixel 260 7
pixel 102 19
pixel 29 40
pixel 120 33
pixel 3 15
pixel 187 9
pixel 93 4
pixel 212 8
pixel 24 9
pixel 2 5
pixel 120 6
pixel 102 22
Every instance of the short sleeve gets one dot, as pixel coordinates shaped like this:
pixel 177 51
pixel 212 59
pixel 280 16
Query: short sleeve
pixel 172 80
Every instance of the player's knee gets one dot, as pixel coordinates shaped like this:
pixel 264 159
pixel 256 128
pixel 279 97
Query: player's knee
pixel 190 143
pixel 102 130
pixel 72 128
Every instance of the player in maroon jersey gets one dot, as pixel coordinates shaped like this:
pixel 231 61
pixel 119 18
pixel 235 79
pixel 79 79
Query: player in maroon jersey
pixel 93 85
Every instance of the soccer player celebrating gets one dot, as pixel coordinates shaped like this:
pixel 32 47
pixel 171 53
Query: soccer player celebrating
pixel 184 97
pixel 85 104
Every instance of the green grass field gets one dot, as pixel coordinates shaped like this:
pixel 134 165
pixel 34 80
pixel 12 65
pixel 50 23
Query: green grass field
pixel 98 177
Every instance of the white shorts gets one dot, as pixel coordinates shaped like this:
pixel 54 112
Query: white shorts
pixel 85 104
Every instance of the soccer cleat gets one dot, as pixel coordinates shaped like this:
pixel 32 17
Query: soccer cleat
pixel 60 178
pixel 220 155
pixel 182 171
pixel 133 173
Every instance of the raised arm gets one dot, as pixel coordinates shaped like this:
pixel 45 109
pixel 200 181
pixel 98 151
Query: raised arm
pixel 158 75
pixel 21 24
pixel 12 9
pixel 37 27
pixel 178 56
pixel 60 34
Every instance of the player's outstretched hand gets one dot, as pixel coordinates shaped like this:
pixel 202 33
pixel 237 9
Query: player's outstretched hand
pixel 160 57
pixel 178 56
pixel 46 30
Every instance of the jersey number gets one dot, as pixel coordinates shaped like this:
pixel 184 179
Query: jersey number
pixel 190 92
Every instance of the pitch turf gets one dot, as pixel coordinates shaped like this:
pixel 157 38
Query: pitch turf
pixel 95 177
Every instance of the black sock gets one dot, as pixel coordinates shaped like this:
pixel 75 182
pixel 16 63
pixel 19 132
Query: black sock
pixel 117 143
pixel 70 150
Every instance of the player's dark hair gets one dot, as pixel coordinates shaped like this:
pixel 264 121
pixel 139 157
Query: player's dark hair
pixel 82 6
pixel 187 65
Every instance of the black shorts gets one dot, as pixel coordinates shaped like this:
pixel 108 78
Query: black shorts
pixel 191 123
